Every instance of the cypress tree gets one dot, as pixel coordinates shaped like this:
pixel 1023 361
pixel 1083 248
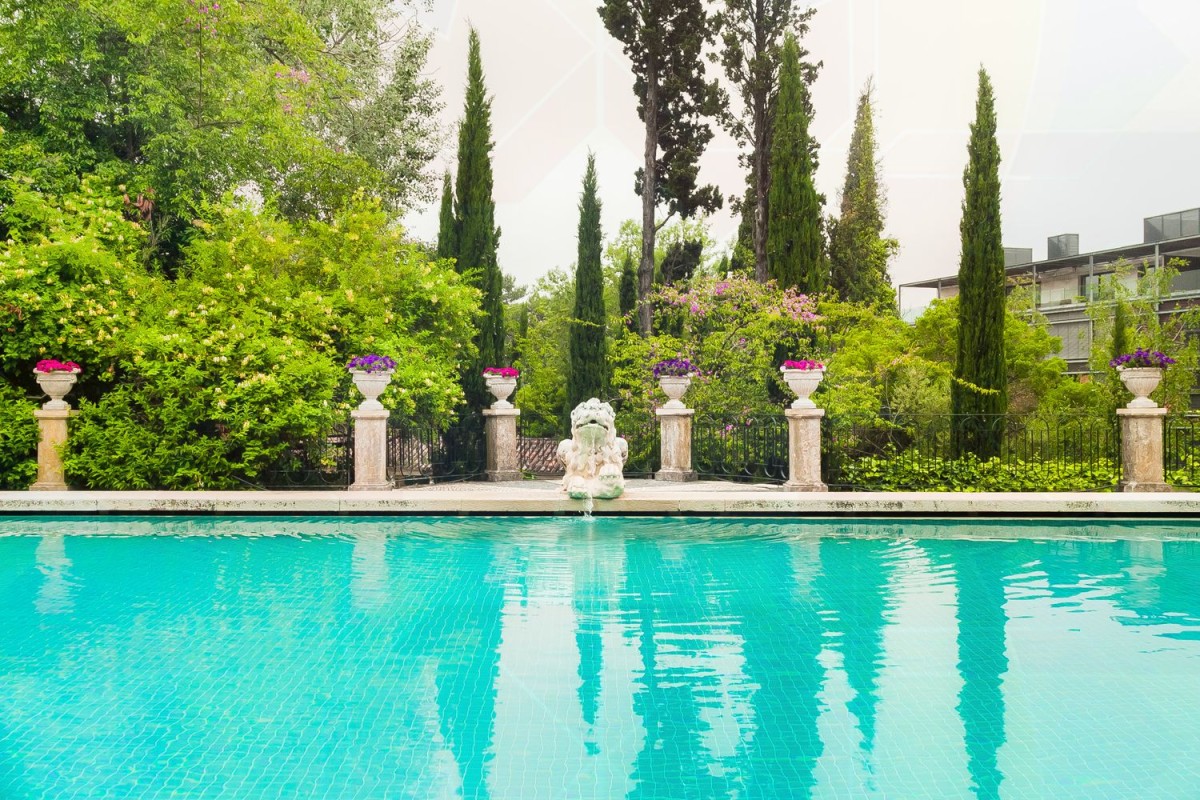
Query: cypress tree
pixel 858 252
pixel 795 238
pixel 628 294
pixel 474 214
pixel 979 392
pixel 587 369
pixel 447 242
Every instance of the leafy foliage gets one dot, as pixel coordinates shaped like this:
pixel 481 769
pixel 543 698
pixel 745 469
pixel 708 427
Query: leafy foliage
pixel 970 474
pixel 18 439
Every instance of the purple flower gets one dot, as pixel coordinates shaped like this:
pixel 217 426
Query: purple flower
pixel 1142 358
pixel 674 368
pixel 371 364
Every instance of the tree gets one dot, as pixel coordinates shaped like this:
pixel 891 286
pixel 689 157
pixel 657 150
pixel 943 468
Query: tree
pixel 587 370
pixel 447 241
pixel 752 33
pixel 304 103
pixel 681 261
pixel 858 251
pixel 795 239
pixel 979 392
pixel 627 298
pixel 665 40
pixel 476 235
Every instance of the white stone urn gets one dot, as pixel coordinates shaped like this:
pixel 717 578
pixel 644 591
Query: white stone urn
pixel 56 384
pixel 501 388
pixel 1141 381
pixel 803 382
pixel 371 384
pixel 674 386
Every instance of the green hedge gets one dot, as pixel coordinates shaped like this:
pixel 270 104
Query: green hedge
pixel 908 472
pixel 18 439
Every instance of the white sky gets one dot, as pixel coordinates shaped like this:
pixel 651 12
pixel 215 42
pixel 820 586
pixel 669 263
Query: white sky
pixel 1098 104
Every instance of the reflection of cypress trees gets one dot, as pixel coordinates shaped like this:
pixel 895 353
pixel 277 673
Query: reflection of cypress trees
pixel 982 657
pixel 671 764
pixel 853 583
pixel 466 675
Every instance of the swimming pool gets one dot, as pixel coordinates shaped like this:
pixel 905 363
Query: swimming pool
pixel 607 658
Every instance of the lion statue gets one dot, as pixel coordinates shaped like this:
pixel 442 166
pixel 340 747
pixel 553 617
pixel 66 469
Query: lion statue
pixel 594 455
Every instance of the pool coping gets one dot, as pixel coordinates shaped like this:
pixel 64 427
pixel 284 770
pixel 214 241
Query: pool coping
pixel 650 498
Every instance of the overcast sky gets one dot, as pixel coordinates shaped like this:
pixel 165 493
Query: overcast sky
pixel 1098 104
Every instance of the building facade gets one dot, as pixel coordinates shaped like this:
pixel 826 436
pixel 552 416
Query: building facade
pixel 1066 280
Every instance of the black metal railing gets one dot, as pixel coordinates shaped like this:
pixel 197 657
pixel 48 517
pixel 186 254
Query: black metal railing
pixel 326 462
pixel 1181 450
pixel 915 452
pixel 421 452
pixel 753 449
pixel 642 436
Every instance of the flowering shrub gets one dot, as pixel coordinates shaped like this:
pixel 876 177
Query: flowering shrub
pixel 674 368
pixel 52 365
pixel 501 372
pixel 371 364
pixel 803 364
pixel 1142 358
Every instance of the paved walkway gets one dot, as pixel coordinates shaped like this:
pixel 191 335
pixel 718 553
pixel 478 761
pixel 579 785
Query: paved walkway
pixel 641 497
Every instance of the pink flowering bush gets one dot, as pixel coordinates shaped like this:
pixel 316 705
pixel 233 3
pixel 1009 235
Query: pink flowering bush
pixel 734 332
pixel 53 365
pixel 501 372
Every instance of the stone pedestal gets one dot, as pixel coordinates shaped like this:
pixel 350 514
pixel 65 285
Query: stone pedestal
pixel 503 458
pixel 52 437
pixel 804 450
pixel 370 449
pixel 1142 449
pixel 675 436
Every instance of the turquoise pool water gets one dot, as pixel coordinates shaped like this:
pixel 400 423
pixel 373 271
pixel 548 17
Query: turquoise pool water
pixel 564 658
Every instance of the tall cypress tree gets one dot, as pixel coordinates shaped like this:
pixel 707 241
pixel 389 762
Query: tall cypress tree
pixel 628 294
pixel 858 251
pixel 795 238
pixel 476 234
pixel 447 242
pixel 979 392
pixel 587 370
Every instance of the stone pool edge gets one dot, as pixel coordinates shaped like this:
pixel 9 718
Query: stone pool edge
pixel 524 499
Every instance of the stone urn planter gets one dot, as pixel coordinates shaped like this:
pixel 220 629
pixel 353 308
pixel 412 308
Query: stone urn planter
pixel 803 382
pixel 56 385
pixel 1141 381
pixel 501 387
pixel 674 386
pixel 371 384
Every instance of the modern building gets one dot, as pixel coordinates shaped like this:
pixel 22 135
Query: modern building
pixel 1066 279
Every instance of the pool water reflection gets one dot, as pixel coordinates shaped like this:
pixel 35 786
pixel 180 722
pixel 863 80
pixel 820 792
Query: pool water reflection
pixel 606 658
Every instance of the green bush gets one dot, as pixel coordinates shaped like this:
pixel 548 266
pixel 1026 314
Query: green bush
pixel 911 471
pixel 18 439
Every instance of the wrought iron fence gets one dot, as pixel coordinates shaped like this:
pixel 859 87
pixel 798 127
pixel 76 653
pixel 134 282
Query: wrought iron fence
pixel 421 452
pixel 326 462
pixel 642 434
pixel 915 452
pixel 1181 450
pixel 753 449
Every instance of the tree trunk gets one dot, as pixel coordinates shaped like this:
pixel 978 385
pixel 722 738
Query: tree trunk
pixel 762 154
pixel 649 182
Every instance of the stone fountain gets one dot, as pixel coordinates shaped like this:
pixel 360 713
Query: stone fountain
pixel 594 456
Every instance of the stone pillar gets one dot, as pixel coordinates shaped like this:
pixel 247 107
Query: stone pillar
pixel 370 449
pixel 675 444
pixel 503 458
pixel 804 450
pixel 52 437
pixel 1142 449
